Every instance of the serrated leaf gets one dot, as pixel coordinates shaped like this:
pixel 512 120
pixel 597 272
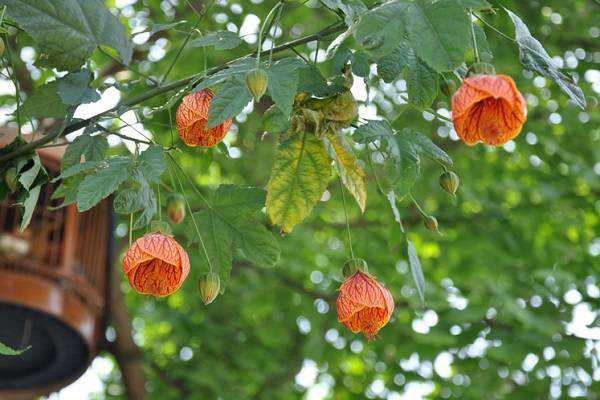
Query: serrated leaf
pixel 535 58
pixel 377 130
pixel 416 270
pixel 74 89
pixel 421 81
pixel 351 9
pixel 229 101
pixel 102 182
pixel 27 178
pixel 425 147
pixel 283 83
pixel 257 244
pixel 127 201
pixel 147 200
pixel 235 202
pixel 299 177
pixel 348 167
pixel 76 169
pixel 391 66
pixel 8 351
pixel 275 121
pixel 44 103
pixel 311 81
pixel 439 31
pixel 360 64
pixel 68 191
pixel 221 40
pixel 68 31
pixel 380 29
pixel 92 148
pixel 152 163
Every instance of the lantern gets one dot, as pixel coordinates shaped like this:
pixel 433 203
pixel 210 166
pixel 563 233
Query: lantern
pixel 53 290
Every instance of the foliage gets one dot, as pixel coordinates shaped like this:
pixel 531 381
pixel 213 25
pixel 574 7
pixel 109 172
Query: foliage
pixel 483 309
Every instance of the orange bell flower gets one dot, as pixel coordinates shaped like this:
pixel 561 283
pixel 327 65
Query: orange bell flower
pixel 156 264
pixel 488 108
pixel 364 305
pixel 192 118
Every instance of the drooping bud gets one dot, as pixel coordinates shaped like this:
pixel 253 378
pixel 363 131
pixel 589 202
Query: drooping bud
pixel 176 208
pixel 209 286
pixel 431 223
pixel 354 265
pixel 449 181
pixel 257 81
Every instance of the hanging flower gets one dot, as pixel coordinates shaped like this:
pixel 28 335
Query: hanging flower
pixel 364 305
pixel 192 118
pixel 156 264
pixel 488 108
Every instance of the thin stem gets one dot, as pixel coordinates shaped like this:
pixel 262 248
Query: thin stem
pixel 262 31
pixel 346 216
pixel 159 202
pixel 120 135
pixel 210 267
pixel 416 203
pixel 276 24
pixel 190 180
pixel 135 71
pixel 187 39
pixel 171 129
pixel 130 228
pixel 492 27
pixel 473 36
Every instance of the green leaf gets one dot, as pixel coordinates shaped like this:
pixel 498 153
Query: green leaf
pixel 237 69
pixel 535 58
pixel 351 9
pixel 74 89
pixel 8 351
pixel 439 31
pixel 485 52
pixel 103 182
pixel 221 40
pixel 152 163
pixel 229 101
pixel 392 65
pixel 257 244
pixel 275 121
pixel 28 177
pixel 283 83
pixel 147 200
pixel 416 270
pixel 92 148
pixel 45 102
pixel 29 203
pixel 217 242
pixel 391 197
pixel 380 29
pixel 475 4
pixel 421 81
pixel 311 81
pixel 360 64
pixel 425 147
pixel 76 169
pixel 127 201
pixel 348 167
pixel 68 190
pixel 377 130
pixel 300 174
pixel 236 202
pixel 68 31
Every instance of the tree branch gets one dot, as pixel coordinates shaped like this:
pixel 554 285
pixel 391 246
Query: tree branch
pixel 335 28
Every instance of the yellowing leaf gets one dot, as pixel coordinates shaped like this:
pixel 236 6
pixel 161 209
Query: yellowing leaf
pixel 350 171
pixel 300 174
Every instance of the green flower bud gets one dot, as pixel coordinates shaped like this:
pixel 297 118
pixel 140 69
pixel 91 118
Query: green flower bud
pixel 176 208
pixel 257 81
pixel 449 181
pixel 431 223
pixel 354 265
pixel 209 286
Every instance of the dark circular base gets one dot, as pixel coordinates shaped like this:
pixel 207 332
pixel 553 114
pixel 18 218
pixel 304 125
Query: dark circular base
pixel 57 351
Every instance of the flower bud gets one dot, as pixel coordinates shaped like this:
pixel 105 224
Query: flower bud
pixel 431 223
pixel 209 286
pixel 354 265
pixel 257 81
pixel 176 208
pixel 449 181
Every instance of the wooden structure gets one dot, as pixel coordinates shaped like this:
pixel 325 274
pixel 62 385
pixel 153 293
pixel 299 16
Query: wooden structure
pixel 54 280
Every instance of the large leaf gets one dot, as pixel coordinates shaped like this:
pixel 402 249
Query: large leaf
pixel 221 40
pixel 535 58
pixel 102 182
pixel 439 31
pixel 348 167
pixel 152 163
pixel 216 241
pixel 421 81
pixel 283 83
pixel 229 101
pixel 392 65
pixel 380 29
pixel 147 200
pixel 301 171
pixel 351 9
pixel 68 31
pixel 74 88
pixel 92 148
pixel 45 102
